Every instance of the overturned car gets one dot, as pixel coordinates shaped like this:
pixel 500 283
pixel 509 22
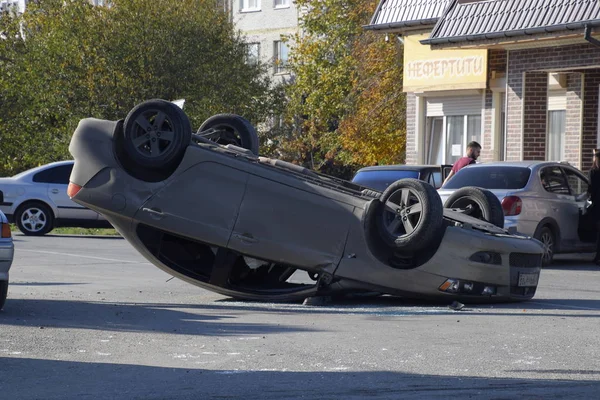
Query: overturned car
pixel 207 209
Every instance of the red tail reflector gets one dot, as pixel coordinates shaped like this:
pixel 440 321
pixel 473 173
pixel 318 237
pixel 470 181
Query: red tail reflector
pixel 73 189
pixel 512 205
pixel 5 230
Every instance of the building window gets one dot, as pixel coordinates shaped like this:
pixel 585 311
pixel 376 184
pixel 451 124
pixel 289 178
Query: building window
pixel 447 137
pixel 252 53
pixel 281 3
pixel 250 5
pixel 556 134
pixel 435 140
pixel 280 56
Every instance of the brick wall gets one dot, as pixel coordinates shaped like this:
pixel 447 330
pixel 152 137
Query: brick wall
pixel 572 145
pixel 411 108
pixel 535 92
pixel 525 133
pixel 497 63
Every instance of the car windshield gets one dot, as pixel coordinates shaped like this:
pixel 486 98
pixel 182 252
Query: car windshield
pixel 381 179
pixel 492 177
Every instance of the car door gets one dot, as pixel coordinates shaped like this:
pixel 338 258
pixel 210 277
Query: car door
pixel 201 203
pixel 285 220
pixel 578 184
pixel 562 206
pixel 57 180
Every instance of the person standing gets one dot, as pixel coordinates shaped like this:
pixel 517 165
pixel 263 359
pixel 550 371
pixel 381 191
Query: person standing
pixel 473 151
pixel 594 193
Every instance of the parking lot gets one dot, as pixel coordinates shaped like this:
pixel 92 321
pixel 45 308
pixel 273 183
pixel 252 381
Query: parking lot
pixel 88 317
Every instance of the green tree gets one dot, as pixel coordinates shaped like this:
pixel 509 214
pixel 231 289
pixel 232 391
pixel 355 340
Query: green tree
pixel 346 102
pixel 66 60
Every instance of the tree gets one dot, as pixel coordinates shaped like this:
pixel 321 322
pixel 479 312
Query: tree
pixel 66 60
pixel 346 101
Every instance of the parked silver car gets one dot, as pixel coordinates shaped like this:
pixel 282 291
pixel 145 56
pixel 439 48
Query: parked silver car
pixel 6 256
pixel 37 201
pixel 539 198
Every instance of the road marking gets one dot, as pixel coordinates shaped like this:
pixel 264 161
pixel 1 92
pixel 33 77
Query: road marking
pixel 80 256
pixel 564 305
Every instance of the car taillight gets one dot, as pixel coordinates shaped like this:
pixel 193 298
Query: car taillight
pixel 512 205
pixel 73 189
pixel 5 230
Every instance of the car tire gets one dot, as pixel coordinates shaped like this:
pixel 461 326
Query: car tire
pixel 232 129
pixel 478 203
pixel 410 217
pixel 548 239
pixel 3 293
pixel 150 145
pixel 34 219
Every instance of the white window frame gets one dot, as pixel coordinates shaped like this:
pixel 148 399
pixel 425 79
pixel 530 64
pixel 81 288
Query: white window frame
pixel 445 135
pixel 279 68
pixel 248 46
pixel 284 4
pixel 246 6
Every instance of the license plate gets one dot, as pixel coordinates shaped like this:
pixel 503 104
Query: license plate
pixel 528 279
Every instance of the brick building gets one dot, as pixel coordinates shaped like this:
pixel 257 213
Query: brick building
pixel 520 77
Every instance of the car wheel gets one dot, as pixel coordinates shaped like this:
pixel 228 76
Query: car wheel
pixel 478 203
pixel 34 219
pixel 546 236
pixel 3 293
pixel 230 129
pixel 411 215
pixel 156 134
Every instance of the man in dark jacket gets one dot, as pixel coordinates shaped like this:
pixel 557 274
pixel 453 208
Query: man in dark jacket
pixel 473 151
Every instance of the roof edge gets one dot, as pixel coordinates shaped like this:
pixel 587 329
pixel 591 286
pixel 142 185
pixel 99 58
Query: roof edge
pixel 404 24
pixel 510 34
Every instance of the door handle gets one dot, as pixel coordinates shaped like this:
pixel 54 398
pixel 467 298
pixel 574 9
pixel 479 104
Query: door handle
pixel 55 191
pixel 154 212
pixel 245 238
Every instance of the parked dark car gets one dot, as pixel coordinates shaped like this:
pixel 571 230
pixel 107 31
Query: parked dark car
pixel 223 218
pixel 379 177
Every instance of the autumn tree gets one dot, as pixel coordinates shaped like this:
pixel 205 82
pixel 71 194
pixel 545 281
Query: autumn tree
pixel 61 61
pixel 346 105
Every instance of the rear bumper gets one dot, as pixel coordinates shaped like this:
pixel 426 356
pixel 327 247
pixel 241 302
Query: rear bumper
pixel 6 258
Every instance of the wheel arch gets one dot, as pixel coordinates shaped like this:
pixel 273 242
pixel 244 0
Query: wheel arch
pixel 553 225
pixel 47 203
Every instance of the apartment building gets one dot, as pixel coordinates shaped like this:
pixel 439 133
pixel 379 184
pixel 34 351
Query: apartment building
pixel 265 23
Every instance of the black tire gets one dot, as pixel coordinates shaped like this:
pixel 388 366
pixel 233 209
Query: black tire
pixel 34 219
pixel 156 134
pixel 548 239
pixel 478 203
pixel 231 129
pixel 411 216
pixel 3 293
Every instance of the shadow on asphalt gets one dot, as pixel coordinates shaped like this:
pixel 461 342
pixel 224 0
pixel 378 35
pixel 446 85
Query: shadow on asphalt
pixel 127 317
pixel 26 378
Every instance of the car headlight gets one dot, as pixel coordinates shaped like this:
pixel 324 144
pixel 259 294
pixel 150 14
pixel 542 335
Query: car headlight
pixel 467 287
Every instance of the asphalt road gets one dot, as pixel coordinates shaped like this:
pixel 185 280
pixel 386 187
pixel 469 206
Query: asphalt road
pixel 89 318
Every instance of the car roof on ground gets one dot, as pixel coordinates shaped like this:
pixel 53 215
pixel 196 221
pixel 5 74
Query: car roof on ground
pixel 398 167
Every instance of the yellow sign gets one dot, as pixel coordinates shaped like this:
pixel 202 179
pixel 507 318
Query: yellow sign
pixel 426 69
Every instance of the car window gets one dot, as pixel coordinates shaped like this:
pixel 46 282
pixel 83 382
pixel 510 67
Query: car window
pixel 577 183
pixel 382 178
pixel 554 181
pixel 58 175
pixel 490 177
pixel 435 179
